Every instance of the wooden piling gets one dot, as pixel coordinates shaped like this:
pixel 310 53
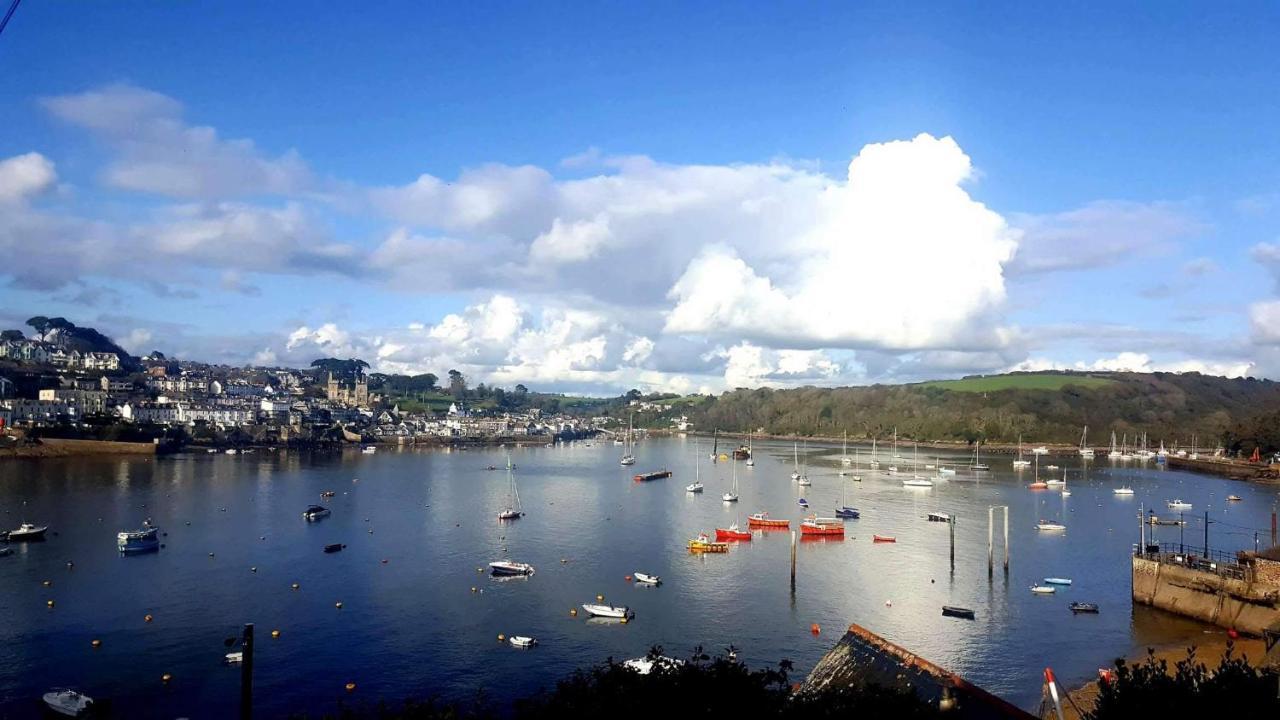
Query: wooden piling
pixel 991 540
pixel 1006 540
pixel 793 562
pixel 952 523
pixel 246 673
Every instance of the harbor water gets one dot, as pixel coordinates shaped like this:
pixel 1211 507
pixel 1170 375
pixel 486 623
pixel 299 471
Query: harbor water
pixel 420 616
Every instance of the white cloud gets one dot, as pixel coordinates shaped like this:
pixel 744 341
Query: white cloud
pixel 1141 363
pixel 157 152
pixel 570 242
pixel 328 339
pixel 1099 234
pixel 25 176
pixel 137 341
pixel 638 350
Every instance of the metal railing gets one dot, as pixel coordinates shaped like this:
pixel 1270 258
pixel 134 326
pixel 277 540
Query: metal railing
pixel 1218 562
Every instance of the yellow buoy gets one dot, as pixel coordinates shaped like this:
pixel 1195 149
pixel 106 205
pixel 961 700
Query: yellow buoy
pixel 573 612
pixel 338 605
pixel 96 643
pixel 473 588
pixel 147 618
pixel 501 637
pixel 624 621
pixel 166 677
pixel 351 687
pixel 49 603
pixel 275 633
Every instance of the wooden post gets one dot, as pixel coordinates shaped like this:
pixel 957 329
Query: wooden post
pixel 952 523
pixel 1206 534
pixel 793 562
pixel 1273 528
pixel 246 673
pixel 1006 541
pixel 991 539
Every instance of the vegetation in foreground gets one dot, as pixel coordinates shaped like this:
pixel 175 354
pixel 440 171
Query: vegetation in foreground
pixel 701 687
pixel 1235 689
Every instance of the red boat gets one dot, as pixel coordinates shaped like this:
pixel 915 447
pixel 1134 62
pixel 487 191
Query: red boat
pixel 1038 486
pixel 821 526
pixel 884 538
pixel 732 533
pixel 762 520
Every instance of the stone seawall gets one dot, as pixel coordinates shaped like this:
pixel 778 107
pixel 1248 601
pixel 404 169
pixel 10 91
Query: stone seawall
pixel 1248 605
pixel 57 447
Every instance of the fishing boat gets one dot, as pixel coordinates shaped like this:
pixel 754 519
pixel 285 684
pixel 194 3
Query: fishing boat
pixel 1085 450
pixel 522 641
pixel 803 503
pixel 509 568
pixel 1043 589
pixel 646 578
pixel 334 547
pixel 608 611
pixel 732 533
pixel 704 544
pixel 513 510
pixel 234 658
pixel 1057 581
pixel 68 703
pixel 655 475
pixel 1020 462
pixel 628 457
pixel 141 540
pixel 814 525
pixel 762 520
pixel 27 531
pixel 1179 505
pixel 938 517
pixel 957 612
pixel 742 452
pixel 1123 491
pixel 1084 607
pixel 316 512
pixel 1050 526
pixel 732 495
pixel 917 481
pixel 883 539
pixel 1234 498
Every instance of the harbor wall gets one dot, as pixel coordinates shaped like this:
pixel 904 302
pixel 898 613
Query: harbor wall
pixel 59 447
pixel 1249 604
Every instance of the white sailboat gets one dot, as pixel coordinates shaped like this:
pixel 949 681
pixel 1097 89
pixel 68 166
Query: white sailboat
pixel 696 487
pixel 1085 450
pixel 795 460
pixel 875 457
pixel 977 466
pixel 1065 491
pixel 896 456
pixel 629 457
pixel 751 450
pixel 1021 462
pixel 844 451
pixel 513 509
pixel 803 480
pixel 732 495
pixel 1115 453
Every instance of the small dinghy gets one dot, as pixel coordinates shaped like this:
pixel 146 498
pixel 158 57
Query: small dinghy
pixel 1043 589
pixel 802 503
pixel 1050 526
pixel 1234 498
pixel 5 550
pixel 334 547
pixel 234 658
pixel 508 568
pixel 1123 491
pixel 957 612
pixel 917 481
pixel 1057 581
pixel 1084 607
pixel 848 513
pixel 608 611
pixel 68 703
pixel 521 641
pixel 647 579
pixel 327 494
pixel 316 512
pixel 694 487
pixel 938 517
pixel 1179 505
pixel 884 539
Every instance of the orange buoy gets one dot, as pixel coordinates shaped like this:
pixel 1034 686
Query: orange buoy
pixel 573 612
pixel 501 637
pixel 351 687
pixel 815 629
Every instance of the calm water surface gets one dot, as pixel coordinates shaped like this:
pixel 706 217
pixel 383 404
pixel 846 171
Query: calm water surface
pixel 413 626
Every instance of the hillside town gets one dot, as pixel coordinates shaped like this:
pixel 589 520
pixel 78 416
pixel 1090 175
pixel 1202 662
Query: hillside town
pixel 45 386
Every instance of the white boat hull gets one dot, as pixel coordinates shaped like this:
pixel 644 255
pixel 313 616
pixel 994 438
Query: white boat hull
pixel 606 611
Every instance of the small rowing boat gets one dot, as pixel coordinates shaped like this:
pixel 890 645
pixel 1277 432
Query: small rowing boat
pixel 957 612
pixel 884 539
pixel 1057 581
pixel 506 567
pixel 521 641
pixel 1043 589
pixel 1084 607
pixel 647 579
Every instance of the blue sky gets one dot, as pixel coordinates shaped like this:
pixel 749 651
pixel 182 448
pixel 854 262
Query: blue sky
pixel 589 197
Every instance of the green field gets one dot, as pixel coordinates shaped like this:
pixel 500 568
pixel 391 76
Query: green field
pixel 1045 381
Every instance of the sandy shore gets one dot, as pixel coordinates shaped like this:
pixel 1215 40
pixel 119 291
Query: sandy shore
pixel 1209 650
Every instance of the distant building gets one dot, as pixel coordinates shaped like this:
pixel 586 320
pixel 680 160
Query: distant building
pixel 355 395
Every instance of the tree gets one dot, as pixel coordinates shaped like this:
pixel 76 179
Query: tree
pixel 457 385
pixel 521 391
pixel 40 324
pixel 11 335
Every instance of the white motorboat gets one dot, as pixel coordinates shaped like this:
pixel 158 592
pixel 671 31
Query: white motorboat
pixel 694 487
pixel 917 481
pixel 369 449
pixel 316 512
pixel 68 703
pixel 514 510
pixel 607 611
pixel 1057 581
pixel 522 641
pixel 1043 589
pixel 27 531
pixel 141 540
pixel 234 658
pixel 804 481
pixel 1042 450
pixel 1051 467
pixel 1179 505
pixel 946 471
pixel 230 451
pixel 1050 526
pixel 1123 491
pixel 508 568
pixel 647 579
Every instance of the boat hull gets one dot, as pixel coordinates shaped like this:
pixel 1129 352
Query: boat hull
pixel 957 612
pixel 655 475
pixel 607 611
pixel 884 539
pixel 510 569
pixel 767 523
pixel 725 535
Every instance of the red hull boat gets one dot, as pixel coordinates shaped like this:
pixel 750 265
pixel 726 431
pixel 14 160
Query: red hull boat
pixel 883 538
pixel 815 526
pixel 762 520
pixel 732 533
pixel 1038 486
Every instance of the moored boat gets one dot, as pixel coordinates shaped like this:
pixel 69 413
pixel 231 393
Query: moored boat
pixel 1123 491
pixel 1050 526
pixel 1234 498
pixel 647 579
pixel 938 517
pixel 68 703
pixel 506 567
pixel 1084 607
pixel 1038 486
pixel 645 665
pixel 848 513
pixel 1179 505
pixel 802 503
pixel 814 525
pixel 514 510
pixel 694 487
pixel 884 539
pixel 957 612
pixel 522 641
pixel 334 547
pixel 27 531
pixel 762 520
pixel 733 532
pixel 704 544
pixel 917 481
pixel 1043 589
pixel 141 540
pixel 608 611
pixel 655 475
pixel 316 512
pixel 1057 581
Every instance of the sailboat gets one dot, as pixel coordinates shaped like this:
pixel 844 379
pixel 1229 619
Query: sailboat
pixel 1021 462
pixel 1085 450
pixel 795 452
pixel 875 457
pixel 751 451
pixel 977 466
pixel 629 458
pixel 943 469
pixel 844 511
pixel 896 456
pixel 513 510
pixel 1037 485
pixel 1065 491
pixel 715 444
pixel 803 480
pixel 732 495
pixel 844 451
pixel 1114 454
pixel 696 487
